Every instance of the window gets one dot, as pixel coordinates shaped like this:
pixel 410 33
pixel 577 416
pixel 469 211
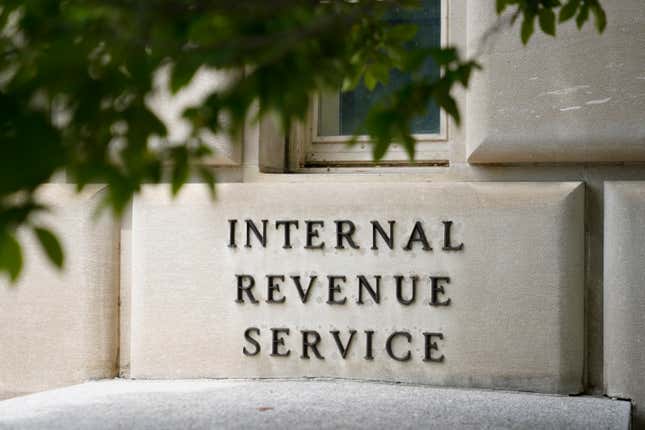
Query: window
pixel 337 115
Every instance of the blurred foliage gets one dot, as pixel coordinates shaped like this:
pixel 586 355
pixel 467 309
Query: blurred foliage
pixel 549 12
pixel 75 77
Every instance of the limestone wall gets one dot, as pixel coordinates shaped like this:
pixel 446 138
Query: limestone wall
pixel 143 300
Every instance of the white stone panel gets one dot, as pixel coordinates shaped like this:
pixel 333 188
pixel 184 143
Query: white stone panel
pixel 60 327
pixel 624 293
pixel 579 97
pixel 515 318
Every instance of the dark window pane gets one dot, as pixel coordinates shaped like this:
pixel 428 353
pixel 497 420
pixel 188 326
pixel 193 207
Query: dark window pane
pixel 355 104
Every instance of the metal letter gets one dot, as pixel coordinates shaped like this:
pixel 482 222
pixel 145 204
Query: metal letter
pixel 287 231
pixel 249 339
pixel 418 235
pixel 304 294
pixel 272 288
pixel 277 341
pixel 251 227
pixel 347 235
pixel 343 349
pixel 241 288
pixel 369 337
pixel 312 233
pixel 436 289
pixel 363 283
pixel 399 289
pixel 447 245
pixel 306 344
pixel 231 234
pixel 388 345
pixel 389 239
pixel 432 346
pixel 333 289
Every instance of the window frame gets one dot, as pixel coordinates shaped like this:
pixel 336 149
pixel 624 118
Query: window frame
pixel 314 151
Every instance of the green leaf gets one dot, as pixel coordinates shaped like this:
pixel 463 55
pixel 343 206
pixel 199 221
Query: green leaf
pixel 50 244
pixel 547 21
pixel 448 103
pixel 569 10
pixel 583 15
pixel 528 27
pixel 381 72
pixel 206 174
pixel 350 82
pixel 600 17
pixel 500 6
pixel 181 75
pixel 10 256
pixel 464 72
pixel 379 148
pixel 402 32
pixel 443 56
pixel 180 169
pixel 409 143
pixel 370 80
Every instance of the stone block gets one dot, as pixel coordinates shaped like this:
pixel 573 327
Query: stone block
pixel 60 327
pixel 505 310
pixel 624 293
pixel 578 97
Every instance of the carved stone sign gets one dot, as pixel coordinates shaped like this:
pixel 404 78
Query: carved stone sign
pixel 459 284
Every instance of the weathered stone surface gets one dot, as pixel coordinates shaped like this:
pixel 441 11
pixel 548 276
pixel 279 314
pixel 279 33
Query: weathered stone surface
pixel 60 328
pixel 624 293
pixel 515 318
pixel 578 97
pixel 318 404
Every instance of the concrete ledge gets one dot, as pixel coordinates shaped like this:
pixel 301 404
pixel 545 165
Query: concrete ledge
pixel 281 404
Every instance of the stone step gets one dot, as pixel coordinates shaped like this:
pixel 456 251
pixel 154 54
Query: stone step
pixel 312 403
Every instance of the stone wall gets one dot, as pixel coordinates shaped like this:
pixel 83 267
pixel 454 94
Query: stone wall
pixel 545 189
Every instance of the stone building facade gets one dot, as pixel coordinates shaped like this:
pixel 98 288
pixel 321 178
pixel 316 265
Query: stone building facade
pixel 543 185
